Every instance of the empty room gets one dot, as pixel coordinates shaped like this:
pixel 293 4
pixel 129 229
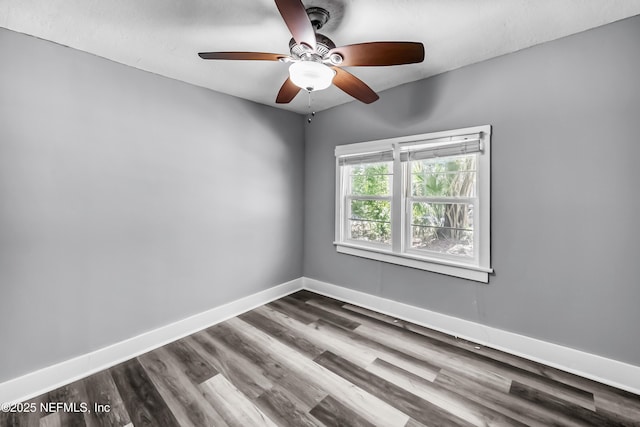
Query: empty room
pixel 319 213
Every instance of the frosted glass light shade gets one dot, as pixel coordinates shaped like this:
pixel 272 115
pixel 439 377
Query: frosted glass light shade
pixel 311 75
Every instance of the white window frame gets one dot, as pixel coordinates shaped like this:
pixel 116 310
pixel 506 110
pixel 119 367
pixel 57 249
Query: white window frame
pixel 478 268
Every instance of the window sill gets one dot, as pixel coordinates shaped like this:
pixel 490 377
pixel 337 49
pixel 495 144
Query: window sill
pixel 468 272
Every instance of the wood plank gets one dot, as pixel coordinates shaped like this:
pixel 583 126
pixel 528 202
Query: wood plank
pixel 372 408
pixel 364 315
pixel 299 315
pixel 373 316
pixel 285 408
pixel 101 389
pixel 457 358
pixel 194 365
pixel 23 419
pixel 421 368
pixel 557 405
pixel 13 419
pixel 521 410
pixel 51 420
pixel 410 404
pixel 182 397
pixel 413 345
pixel 303 295
pixel 333 413
pixel 368 317
pixel 73 394
pixel 320 313
pixel 455 403
pixel 339 309
pixel 619 418
pixel 322 337
pixel 269 367
pixel 282 333
pixel 236 409
pixel 568 392
pixel 240 371
pixel 144 404
pixel 252 379
pixel 618 404
pixel 304 394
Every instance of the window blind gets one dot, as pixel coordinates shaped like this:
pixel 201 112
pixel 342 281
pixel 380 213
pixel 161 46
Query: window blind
pixel 441 147
pixel 375 157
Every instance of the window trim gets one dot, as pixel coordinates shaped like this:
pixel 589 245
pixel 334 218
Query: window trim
pixel 476 269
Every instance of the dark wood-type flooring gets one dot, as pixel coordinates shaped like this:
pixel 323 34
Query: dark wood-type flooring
pixel 308 360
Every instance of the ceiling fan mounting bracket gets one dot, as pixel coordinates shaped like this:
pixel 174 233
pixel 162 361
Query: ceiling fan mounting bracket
pixel 318 17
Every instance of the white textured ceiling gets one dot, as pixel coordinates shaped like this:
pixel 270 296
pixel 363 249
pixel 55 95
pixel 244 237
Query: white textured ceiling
pixel 164 36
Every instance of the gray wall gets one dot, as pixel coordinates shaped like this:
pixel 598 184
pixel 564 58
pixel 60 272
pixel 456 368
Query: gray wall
pixel 565 208
pixel 128 201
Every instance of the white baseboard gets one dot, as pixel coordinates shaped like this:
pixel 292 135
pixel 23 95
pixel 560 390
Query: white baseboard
pixel 52 377
pixel 607 371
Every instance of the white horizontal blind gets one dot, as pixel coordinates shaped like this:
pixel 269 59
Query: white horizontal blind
pixel 358 159
pixel 441 147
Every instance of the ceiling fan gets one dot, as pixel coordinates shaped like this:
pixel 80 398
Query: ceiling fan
pixel 316 61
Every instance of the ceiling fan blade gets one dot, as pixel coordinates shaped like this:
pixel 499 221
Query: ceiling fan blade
pixel 287 92
pixel 380 53
pixel 255 56
pixel 354 86
pixel 295 16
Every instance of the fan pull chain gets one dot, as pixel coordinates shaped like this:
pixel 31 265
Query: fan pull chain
pixel 311 113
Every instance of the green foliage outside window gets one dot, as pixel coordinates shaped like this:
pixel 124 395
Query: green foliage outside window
pixel 444 226
pixel 371 219
pixel 373 179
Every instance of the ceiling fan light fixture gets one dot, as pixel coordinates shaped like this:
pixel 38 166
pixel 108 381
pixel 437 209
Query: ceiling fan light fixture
pixel 315 61
pixel 310 75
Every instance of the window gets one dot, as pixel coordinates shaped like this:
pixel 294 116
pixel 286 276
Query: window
pixel 421 201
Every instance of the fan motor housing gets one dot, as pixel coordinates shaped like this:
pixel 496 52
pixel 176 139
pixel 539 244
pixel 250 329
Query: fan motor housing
pixel 323 45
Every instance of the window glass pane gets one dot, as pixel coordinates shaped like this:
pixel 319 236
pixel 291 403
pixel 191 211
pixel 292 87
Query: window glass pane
pixel 370 220
pixel 453 176
pixel 371 179
pixel 442 227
